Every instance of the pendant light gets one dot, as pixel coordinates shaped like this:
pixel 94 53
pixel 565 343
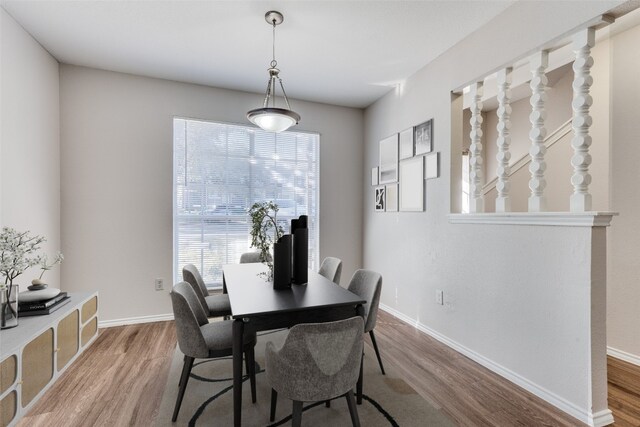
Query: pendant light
pixel 271 118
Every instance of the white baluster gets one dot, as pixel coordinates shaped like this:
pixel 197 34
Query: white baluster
pixel 538 64
pixel 582 43
pixel 503 202
pixel 476 175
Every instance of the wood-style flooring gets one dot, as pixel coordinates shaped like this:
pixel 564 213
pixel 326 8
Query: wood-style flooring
pixel 119 381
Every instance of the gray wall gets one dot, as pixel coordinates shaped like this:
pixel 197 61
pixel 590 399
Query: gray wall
pixel 516 297
pixel 30 144
pixel 116 177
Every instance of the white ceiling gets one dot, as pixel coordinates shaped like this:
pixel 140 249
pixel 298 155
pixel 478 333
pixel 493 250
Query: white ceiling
pixel 338 52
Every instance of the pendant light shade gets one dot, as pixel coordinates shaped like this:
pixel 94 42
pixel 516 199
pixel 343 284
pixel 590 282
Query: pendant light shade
pixel 273 119
pixel 270 117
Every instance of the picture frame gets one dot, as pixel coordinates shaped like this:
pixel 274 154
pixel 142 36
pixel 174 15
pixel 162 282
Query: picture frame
pixel 388 169
pixel 391 198
pixel 432 165
pixel 406 143
pixel 423 137
pixel 374 176
pixel 379 200
pixel 412 185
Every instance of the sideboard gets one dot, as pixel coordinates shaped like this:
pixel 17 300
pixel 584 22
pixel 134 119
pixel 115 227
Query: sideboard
pixel 36 353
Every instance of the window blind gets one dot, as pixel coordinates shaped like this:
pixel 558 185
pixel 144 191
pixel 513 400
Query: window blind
pixel 220 170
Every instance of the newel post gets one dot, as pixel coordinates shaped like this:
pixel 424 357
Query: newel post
pixel 476 175
pixel 583 41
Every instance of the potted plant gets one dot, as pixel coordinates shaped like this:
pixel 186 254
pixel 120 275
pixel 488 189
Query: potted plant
pixel 265 230
pixel 18 252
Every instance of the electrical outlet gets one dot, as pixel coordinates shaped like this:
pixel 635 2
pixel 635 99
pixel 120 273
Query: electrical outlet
pixel 439 297
pixel 159 284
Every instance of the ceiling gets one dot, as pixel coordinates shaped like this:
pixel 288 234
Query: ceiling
pixel 346 53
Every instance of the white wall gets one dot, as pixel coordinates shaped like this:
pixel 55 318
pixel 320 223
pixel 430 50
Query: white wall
pixel 117 147
pixel 30 145
pixel 623 321
pixel 516 297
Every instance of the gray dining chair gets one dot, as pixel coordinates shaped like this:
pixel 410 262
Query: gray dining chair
pixel 317 362
pixel 213 305
pixel 251 258
pixel 367 284
pixel 199 339
pixel 331 268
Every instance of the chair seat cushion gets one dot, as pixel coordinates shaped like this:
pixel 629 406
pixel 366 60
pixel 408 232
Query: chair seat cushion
pixel 218 305
pixel 219 337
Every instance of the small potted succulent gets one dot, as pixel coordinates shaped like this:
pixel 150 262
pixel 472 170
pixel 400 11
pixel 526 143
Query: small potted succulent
pixel 265 231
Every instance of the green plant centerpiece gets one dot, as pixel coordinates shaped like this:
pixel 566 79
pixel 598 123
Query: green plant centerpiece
pixel 265 231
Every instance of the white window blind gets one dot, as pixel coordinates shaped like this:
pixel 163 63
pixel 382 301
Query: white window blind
pixel 219 171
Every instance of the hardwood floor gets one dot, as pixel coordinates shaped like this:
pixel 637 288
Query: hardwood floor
pixel 119 381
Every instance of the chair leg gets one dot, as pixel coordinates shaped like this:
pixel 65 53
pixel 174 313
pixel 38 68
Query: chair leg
pixel 186 371
pixel 359 384
pixel 250 359
pixel 375 347
pixel 182 375
pixel 296 420
pixel 274 403
pixel 353 409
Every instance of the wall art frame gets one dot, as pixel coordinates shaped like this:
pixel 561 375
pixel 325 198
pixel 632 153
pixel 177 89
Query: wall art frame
pixel 379 200
pixel 423 137
pixel 406 143
pixel 388 167
pixel 411 177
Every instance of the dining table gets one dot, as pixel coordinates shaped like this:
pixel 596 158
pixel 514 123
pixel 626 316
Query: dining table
pixel 257 306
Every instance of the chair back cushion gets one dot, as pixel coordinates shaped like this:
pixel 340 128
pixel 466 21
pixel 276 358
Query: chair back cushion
pixel 367 284
pixel 318 361
pixel 252 258
pixel 331 268
pixel 191 275
pixel 190 338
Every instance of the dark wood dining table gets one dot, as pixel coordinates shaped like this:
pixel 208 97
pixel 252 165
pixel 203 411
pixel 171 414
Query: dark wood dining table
pixel 256 306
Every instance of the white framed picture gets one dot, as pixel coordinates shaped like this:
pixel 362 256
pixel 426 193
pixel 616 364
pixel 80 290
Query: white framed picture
pixel 388 170
pixel 423 137
pixel 391 198
pixel 374 176
pixel 406 143
pixel 379 200
pixel 432 165
pixel 412 185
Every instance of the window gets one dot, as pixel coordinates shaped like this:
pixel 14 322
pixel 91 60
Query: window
pixel 219 171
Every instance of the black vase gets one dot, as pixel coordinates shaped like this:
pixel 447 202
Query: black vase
pixel 282 263
pixel 300 260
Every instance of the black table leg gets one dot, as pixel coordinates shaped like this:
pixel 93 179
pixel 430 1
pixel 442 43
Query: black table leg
pixel 238 331
pixel 359 385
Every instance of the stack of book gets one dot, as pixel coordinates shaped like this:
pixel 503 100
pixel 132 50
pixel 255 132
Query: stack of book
pixel 37 308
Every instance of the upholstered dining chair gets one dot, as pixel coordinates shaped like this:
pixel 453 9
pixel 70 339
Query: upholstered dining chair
pixel 331 268
pixel 367 285
pixel 213 305
pixel 318 361
pixel 251 258
pixel 199 339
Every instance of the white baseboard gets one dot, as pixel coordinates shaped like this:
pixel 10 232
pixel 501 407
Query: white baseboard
pixel 602 418
pixel 134 320
pixel 557 401
pixel 623 355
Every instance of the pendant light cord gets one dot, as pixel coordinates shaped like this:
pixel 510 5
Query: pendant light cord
pixel 273 61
